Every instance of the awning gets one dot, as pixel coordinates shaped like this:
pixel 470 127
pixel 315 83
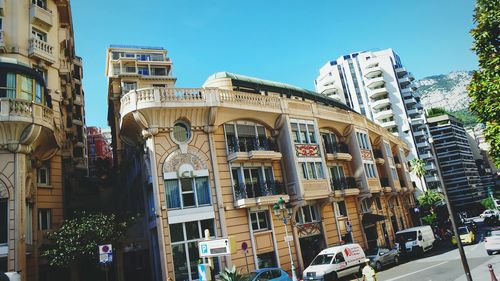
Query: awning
pixel 369 218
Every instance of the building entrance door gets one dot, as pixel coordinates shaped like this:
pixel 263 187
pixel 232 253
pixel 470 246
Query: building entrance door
pixel 310 247
pixel 371 235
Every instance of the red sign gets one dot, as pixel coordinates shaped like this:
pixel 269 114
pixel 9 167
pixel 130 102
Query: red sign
pixel 307 150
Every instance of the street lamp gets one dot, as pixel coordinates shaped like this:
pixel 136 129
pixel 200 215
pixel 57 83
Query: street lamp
pixel 452 218
pixel 284 212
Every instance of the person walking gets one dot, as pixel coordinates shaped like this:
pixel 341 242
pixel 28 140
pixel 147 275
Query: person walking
pixel 368 272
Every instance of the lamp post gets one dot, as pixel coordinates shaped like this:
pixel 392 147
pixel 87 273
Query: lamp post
pixel 284 212
pixel 463 258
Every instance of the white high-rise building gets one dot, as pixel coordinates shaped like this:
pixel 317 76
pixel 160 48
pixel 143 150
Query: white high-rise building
pixel 375 84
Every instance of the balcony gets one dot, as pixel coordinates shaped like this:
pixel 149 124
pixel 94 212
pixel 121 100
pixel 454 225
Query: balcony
pixel 379 158
pixel 316 189
pixel 420 133
pixel 377 92
pixel 410 101
pixel 252 149
pixel 345 186
pixel 375 82
pixel 388 124
pixel 413 112
pixel 402 183
pixel 41 16
pixel 381 103
pixel 431 178
pixel 373 72
pixel 405 81
pixel 384 183
pixel 426 155
pixel 41 49
pixel 401 71
pixel 257 194
pixel 337 151
pixel 383 114
pixel 423 144
pixel 374 185
pixel 430 166
pixel 22 111
pixel 407 92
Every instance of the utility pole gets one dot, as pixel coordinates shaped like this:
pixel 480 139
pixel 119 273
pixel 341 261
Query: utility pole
pixel 465 265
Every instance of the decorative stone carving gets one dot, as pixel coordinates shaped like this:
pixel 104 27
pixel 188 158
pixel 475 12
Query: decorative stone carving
pixel 4 192
pixel 177 158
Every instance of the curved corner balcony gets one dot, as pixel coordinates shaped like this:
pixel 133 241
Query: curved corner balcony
pixel 407 92
pixel 377 92
pixel 380 103
pixel 383 114
pixel 373 72
pixel 26 112
pixel 404 81
pixel 401 71
pixel 375 82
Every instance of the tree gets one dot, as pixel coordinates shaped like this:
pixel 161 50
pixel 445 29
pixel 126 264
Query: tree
pixel 429 198
pixel 418 168
pixel 488 203
pixel 78 238
pixel 484 88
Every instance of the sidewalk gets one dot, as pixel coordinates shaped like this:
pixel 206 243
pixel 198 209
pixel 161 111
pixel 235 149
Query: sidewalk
pixel 481 273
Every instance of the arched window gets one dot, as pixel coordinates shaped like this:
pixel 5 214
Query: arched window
pixel 182 132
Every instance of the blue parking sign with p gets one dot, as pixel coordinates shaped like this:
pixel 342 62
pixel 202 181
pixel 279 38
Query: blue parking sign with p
pixel 204 249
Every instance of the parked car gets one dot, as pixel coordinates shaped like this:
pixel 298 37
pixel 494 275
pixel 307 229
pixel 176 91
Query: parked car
pixel 466 236
pixel 413 240
pixel 267 274
pixel 380 257
pixel 492 242
pixel 336 262
pixel 489 213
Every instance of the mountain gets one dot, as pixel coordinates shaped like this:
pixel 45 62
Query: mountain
pixel 445 91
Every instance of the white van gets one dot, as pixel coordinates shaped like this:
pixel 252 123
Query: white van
pixel 335 262
pixel 417 240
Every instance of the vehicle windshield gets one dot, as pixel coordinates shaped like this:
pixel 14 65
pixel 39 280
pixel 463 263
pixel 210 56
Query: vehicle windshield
pixel 495 233
pixel 322 259
pixel 406 236
pixel 463 230
pixel 372 252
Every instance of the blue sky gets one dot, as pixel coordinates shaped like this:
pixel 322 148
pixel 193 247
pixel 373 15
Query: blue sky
pixel 281 40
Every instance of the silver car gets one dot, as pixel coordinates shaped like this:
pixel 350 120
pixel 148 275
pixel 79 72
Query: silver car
pixel 380 257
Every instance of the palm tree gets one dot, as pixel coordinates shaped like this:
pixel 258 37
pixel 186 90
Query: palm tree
pixel 429 198
pixel 418 168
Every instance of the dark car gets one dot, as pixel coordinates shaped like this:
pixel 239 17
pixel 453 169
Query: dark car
pixel 265 274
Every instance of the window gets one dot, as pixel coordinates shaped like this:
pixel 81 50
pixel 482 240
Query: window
pixel 303 133
pixel 247 136
pixel 339 258
pixel 312 170
pixel 26 90
pixel 341 209
pixel 307 214
pixel 4 220
pixel 128 86
pixel 29 223
pixel 44 219
pixel 187 192
pixel 251 182
pixel 185 238
pixel 259 221
pixel 370 170
pixel 379 203
pixel 43 174
pixel 337 172
pixel 329 142
pixel 8 85
pixel 40 3
pixel 366 205
pixel 363 140
pixel 143 70
pixel 268 260
pixel 394 174
pixel 37 34
pixel 182 132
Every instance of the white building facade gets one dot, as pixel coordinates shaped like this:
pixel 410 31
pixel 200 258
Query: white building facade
pixel 377 85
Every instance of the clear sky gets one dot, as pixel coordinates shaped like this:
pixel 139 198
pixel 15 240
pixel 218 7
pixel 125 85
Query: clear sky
pixel 281 40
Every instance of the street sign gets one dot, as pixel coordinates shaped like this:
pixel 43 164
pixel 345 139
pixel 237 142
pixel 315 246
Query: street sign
pixel 214 248
pixel 204 272
pixel 105 253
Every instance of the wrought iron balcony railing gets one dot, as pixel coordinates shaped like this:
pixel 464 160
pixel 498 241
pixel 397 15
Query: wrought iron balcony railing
pixel 339 147
pixel 249 144
pixel 254 190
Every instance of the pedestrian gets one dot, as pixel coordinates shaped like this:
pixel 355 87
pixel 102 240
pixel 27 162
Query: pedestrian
pixel 368 272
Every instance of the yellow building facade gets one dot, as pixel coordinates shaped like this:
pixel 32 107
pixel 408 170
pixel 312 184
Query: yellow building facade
pixel 42 128
pixel 219 157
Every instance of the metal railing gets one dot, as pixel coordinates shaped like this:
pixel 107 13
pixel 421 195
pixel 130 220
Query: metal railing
pixel 384 182
pixel 343 183
pixel 378 153
pixel 248 144
pixel 336 148
pixel 254 190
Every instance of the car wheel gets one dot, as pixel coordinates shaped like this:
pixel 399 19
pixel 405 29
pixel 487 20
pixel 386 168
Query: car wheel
pixel 378 266
pixel 489 252
pixel 396 260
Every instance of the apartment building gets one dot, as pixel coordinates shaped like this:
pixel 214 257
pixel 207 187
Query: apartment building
pixel 378 86
pixel 42 129
pixel 99 151
pixel 219 157
pixel 456 161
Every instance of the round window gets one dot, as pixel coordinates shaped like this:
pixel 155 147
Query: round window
pixel 181 132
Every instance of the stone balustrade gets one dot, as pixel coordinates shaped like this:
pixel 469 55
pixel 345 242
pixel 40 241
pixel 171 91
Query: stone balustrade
pixel 41 49
pixel 23 111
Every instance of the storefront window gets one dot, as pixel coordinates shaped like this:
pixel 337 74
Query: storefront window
pixel 267 260
pixel 187 192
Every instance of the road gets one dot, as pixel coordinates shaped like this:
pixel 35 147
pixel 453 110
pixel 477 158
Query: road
pixel 444 264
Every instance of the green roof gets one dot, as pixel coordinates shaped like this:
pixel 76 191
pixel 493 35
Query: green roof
pixel 289 89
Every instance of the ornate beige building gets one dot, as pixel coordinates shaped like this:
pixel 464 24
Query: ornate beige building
pixel 42 128
pixel 219 158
